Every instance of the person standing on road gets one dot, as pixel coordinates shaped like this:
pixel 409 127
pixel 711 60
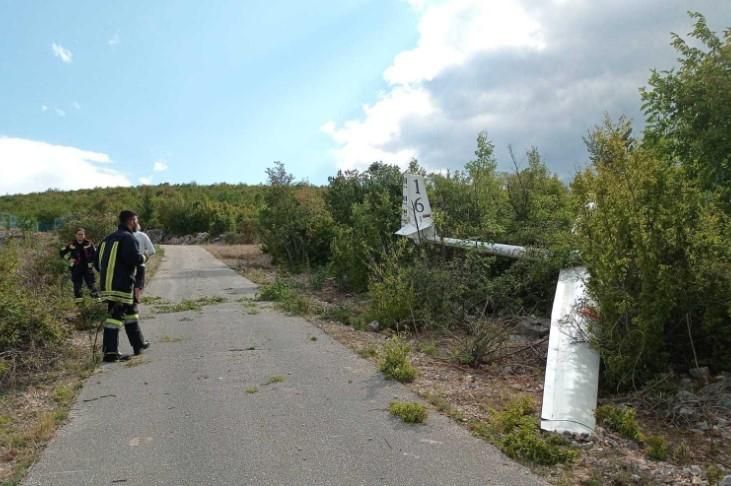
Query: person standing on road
pixel 117 261
pixel 79 254
pixel 147 249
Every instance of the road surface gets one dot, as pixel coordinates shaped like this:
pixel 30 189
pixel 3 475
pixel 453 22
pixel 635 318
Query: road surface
pixel 181 415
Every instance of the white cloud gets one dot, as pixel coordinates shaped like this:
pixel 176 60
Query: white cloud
pixel 114 40
pixel 76 105
pixel 530 72
pixel 159 166
pixel 60 112
pixel 145 181
pixel 44 108
pixel 62 53
pixel 363 142
pixel 33 166
pixel 451 32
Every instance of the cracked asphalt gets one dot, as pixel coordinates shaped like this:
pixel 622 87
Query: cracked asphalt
pixel 181 415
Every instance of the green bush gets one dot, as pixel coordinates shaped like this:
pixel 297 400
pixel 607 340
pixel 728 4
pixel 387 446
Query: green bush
pixel 409 412
pixel 659 252
pixel 517 431
pixel 393 297
pixel 34 296
pixel 657 448
pixel 620 420
pixel 276 291
pixel 396 361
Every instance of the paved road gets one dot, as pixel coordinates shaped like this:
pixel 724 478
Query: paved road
pixel 182 417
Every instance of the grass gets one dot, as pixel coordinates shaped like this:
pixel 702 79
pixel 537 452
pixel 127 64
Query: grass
pixel 369 351
pixel 409 412
pixel 32 411
pixel 152 299
pixel 656 448
pixel 275 379
pixel 249 306
pixel 186 305
pixel 620 420
pixel 429 348
pixel 135 361
pixel 251 390
pixel 516 431
pixel 171 339
pixel 396 361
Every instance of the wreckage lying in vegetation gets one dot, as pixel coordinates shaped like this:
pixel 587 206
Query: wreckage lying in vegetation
pixel 572 367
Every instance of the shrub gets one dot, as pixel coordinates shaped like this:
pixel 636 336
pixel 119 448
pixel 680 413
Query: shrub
pixel 620 420
pixel 657 448
pixel 393 298
pixel 396 361
pixel 409 412
pixel 517 432
pixel 277 291
pixel 659 253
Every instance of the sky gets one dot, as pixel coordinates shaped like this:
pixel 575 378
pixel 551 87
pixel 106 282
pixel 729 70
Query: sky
pixel 100 93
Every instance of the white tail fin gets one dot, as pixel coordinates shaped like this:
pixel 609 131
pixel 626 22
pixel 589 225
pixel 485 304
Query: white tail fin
pixel 416 216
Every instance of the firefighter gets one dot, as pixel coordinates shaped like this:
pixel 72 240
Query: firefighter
pixel 118 260
pixel 80 254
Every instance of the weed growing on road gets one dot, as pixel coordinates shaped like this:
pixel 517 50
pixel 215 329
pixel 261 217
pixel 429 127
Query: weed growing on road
pixel 396 361
pixel 251 390
pixel 171 339
pixel 135 361
pixel 409 412
pixel 313 338
pixel 249 306
pixel 152 299
pixel 187 305
pixel 275 379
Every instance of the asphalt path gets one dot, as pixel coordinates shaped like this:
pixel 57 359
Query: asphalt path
pixel 181 414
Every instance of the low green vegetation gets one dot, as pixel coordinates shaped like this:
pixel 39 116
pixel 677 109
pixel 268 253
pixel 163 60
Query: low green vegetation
pixel 656 447
pixel 409 412
pixel 171 339
pixel 275 379
pixel 396 361
pixel 186 305
pixel 620 420
pixel 369 351
pixel 516 430
pixel 251 389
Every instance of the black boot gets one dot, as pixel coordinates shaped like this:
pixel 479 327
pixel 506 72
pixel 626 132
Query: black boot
pixel 136 340
pixel 110 346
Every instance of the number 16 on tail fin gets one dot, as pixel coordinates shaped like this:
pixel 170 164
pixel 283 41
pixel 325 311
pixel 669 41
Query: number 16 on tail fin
pixel 416 216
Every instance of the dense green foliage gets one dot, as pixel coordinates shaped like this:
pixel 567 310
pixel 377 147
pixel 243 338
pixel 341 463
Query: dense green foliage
pixel 178 209
pixel 34 297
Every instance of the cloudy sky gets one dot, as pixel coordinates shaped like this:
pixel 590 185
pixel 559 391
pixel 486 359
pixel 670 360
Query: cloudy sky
pixel 100 93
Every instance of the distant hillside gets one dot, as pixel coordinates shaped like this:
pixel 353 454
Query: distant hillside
pixel 179 209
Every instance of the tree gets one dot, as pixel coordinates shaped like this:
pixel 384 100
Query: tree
pixel 688 110
pixel 278 175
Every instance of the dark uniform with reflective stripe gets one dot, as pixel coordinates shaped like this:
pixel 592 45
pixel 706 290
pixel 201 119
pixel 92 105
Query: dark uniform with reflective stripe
pixel 117 261
pixel 80 258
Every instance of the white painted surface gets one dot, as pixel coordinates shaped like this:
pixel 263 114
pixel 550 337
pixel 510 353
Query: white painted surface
pixel 572 365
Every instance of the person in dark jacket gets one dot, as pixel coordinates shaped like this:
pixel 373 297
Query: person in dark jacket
pixel 79 255
pixel 117 261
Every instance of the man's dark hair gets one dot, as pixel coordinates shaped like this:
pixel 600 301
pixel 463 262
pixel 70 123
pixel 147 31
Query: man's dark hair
pixel 125 216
